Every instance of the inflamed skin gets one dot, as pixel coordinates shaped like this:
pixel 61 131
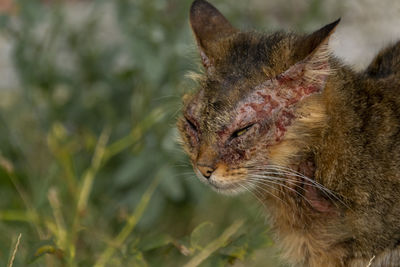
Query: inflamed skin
pixel 316 142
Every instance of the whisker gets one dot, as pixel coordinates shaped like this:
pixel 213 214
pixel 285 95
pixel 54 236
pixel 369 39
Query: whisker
pixel 288 171
pixel 295 182
pixel 256 186
pixel 252 193
pixel 286 179
pixel 266 181
pixel 181 165
pixel 313 183
pixel 285 171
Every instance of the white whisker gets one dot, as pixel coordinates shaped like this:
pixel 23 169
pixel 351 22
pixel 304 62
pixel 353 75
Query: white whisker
pixel 286 172
pixel 270 180
pixel 256 186
pixel 252 193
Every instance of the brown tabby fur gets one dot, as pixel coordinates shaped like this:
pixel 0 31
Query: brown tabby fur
pixel 343 132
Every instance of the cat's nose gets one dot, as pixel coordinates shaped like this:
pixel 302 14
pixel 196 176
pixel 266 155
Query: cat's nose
pixel 205 170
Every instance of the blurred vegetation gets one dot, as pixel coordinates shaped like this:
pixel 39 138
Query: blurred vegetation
pixel 90 173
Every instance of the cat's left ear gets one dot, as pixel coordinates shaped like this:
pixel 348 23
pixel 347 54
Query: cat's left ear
pixel 209 26
pixel 313 54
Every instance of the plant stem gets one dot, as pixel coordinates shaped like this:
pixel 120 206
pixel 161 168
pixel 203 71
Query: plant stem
pixel 214 245
pixel 129 226
pixel 86 188
pixel 11 261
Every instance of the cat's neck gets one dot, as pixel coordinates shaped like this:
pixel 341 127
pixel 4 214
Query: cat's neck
pixel 300 149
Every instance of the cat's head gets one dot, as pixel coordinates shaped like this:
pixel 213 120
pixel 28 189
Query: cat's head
pixel 247 100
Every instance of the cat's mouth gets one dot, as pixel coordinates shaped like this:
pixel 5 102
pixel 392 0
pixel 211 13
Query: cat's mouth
pixel 230 189
pixel 221 185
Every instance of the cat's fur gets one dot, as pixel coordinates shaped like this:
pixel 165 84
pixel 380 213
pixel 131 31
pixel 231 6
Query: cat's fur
pixel 282 100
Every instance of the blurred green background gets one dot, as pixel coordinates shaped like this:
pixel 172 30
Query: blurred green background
pixel 90 171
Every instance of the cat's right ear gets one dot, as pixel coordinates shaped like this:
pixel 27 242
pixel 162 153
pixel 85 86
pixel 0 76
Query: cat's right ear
pixel 209 26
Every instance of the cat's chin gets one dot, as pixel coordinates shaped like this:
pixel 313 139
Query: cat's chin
pixel 222 188
pixel 231 191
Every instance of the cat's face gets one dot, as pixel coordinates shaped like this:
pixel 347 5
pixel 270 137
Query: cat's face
pixel 227 134
pixel 246 102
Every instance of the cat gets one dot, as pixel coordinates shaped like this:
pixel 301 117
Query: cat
pixel 315 141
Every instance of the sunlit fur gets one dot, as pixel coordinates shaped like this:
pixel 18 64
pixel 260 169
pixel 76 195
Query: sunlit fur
pixel 319 144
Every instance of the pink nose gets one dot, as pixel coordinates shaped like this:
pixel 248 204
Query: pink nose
pixel 205 170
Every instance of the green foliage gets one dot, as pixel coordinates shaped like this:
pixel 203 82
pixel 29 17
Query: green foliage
pixel 90 172
pixel 201 236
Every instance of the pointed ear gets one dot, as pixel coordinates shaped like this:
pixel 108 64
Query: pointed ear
pixel 313 68
pixel 310 43
pixel 209 26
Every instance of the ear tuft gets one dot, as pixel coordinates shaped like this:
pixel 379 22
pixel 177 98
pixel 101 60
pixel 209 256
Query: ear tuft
pixel 316 65
pixel 315 49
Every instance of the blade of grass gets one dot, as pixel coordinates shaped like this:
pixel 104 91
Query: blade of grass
pixel 14 253
pixel 214 245
pixel 103 154
pixel 86 187
pixel 63 155
pixel 93 169
pixel 19 216
pixel 22 193
pixel 129 226
pixel 57 213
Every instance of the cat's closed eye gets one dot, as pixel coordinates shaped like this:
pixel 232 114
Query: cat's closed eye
pixel 241 131
pixel 191 124
pixel 192 130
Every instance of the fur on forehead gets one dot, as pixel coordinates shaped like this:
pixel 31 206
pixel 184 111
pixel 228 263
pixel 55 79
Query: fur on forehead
pixel 251 56
pixel 244 61
pixel 272 58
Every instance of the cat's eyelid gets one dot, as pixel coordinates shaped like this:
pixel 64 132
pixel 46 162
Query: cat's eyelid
pixel 191 123
pixel 241 131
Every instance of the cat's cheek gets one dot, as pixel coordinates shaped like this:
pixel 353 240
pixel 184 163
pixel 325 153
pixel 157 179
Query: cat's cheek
pixel 282 123
pixel 232 156
pixel 193 141
pixel 251 142
pixel 242 149
pixel 189 145
pixel 190 149
pixel 192 136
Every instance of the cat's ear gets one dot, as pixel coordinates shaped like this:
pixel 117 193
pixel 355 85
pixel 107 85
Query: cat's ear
pixel 316 41
pixel 313 53
pixel 209 26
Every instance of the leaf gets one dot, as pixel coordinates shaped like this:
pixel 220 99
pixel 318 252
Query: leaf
pixel 46 247
pixel 201 235
pixel 154 242
pixel 238 249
